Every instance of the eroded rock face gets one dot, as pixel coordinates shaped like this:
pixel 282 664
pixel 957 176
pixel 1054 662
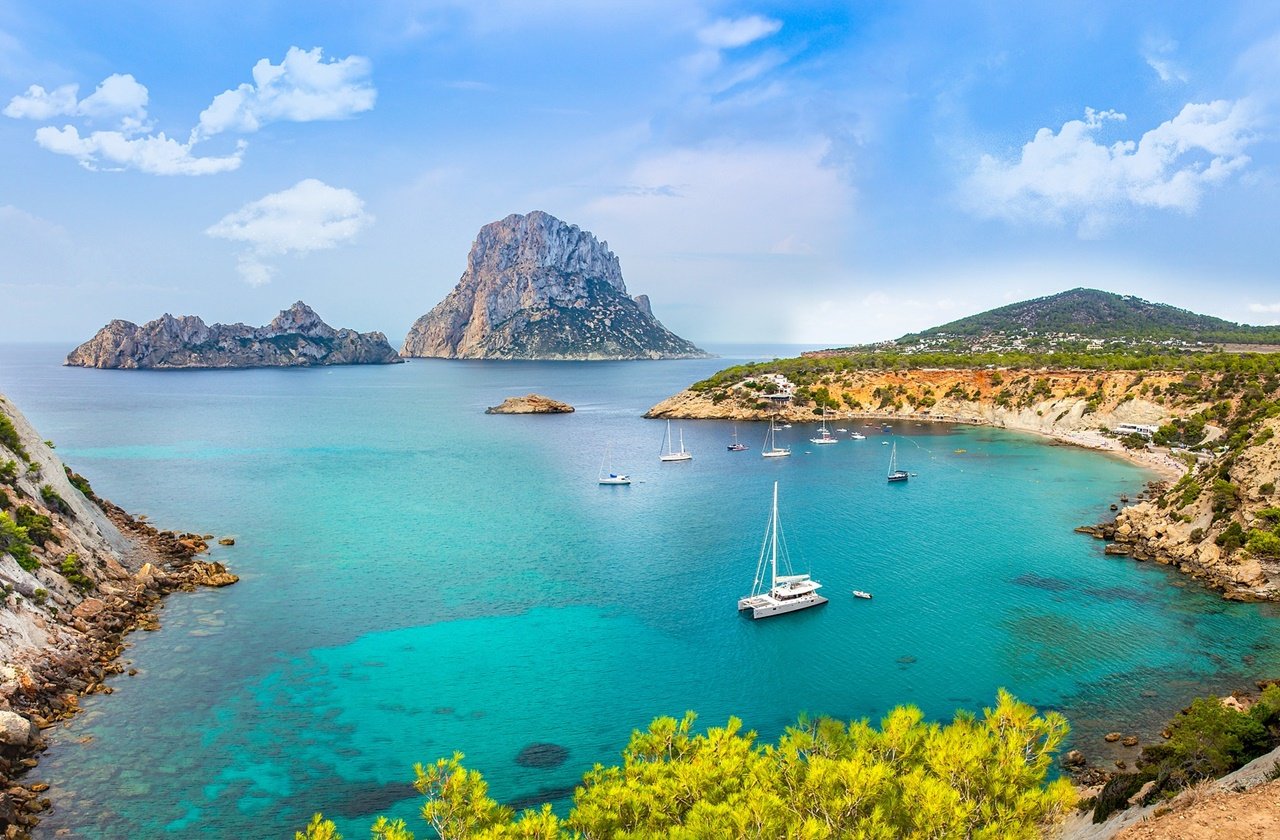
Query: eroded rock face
pixel 538 288
pixel 296 337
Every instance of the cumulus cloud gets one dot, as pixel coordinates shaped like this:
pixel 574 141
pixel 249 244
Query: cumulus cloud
pixel 1069 176
pixel 302 88
pixel 119 96
pixel 309 216
pixel 154 154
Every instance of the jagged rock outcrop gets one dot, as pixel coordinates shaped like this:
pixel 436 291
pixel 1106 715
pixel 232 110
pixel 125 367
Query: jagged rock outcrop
pixel 530 404
pixel 296 338
pixel 538 288
pixel 76 574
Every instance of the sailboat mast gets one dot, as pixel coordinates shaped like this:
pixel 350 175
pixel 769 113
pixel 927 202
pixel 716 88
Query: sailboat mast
pixel 773 549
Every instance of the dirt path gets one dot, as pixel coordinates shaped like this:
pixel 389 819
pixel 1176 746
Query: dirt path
pixel 1254 813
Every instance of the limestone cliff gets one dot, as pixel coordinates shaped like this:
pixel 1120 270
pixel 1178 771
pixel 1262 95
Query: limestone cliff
pixel 1213 524
pixel 297 337
pixel 538 288
pixel 76 573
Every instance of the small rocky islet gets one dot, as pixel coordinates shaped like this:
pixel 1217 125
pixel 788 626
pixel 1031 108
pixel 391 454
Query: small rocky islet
pixel 530 404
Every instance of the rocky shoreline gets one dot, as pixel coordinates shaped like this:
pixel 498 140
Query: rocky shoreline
pixel 42 688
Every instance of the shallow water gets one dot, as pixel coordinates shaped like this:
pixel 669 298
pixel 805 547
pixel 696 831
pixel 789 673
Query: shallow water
pixel 418 577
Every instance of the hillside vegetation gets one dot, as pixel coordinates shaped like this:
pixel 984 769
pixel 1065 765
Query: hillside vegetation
pixel 1095 314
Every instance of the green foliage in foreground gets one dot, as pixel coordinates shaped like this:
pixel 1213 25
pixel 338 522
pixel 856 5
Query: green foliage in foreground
pixel 976 777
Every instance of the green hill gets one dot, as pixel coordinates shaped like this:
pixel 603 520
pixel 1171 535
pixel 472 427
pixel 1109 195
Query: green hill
pixel 1094 314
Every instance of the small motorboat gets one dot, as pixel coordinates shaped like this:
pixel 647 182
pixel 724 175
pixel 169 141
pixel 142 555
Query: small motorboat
pixel 857 436
pixel 858 593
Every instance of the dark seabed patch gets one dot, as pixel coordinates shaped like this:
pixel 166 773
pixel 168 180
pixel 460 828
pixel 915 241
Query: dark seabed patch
pixel 1049 584
pixel 533 800
pixel 542 756
pixel 350 800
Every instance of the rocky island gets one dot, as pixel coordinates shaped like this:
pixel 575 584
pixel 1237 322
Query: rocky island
pixel 530 404
pixel 538 288
pixel 297 337
pixel 77 574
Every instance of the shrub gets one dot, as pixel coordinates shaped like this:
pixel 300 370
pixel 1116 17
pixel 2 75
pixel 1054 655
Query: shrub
pixel 73 570
pixel 1263 545
pixel 1197 535
pixel 1231 538
pixel 79 482
pixel 1268 488
pixel 9 438
pixel 8 472
pixel 15 542
pixel 1206 741
pixel 39 527
pixel 53 501
pixel 1115 794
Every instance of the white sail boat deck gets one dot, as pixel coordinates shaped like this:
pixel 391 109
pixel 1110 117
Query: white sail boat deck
pixel 824 434
pixel 787 592
pixel 896 474
pixel 771 448
pixel 607 475
pixel 671 454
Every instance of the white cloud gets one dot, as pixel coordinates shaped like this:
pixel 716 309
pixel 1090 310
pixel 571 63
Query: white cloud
pixel 728 33
pixel 302 88
pixel 1158 53
pixel 40 104
pixel 309 216
pixel 116 97
pixel 114 150
pixel 1069 175
pixel 1265 308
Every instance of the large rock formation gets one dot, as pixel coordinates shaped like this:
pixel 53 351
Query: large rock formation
pixel 537 288
pixel 297 337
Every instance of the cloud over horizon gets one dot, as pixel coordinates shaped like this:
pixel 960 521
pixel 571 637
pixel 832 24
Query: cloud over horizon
pixel 309 216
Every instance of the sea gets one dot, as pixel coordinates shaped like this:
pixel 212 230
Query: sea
pixel 418 578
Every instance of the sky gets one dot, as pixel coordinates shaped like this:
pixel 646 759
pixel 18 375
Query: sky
pixel 767 172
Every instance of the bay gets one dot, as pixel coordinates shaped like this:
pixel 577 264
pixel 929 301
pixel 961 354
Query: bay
pixel 418 577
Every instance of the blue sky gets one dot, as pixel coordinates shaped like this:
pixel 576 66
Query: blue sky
pixel 767 172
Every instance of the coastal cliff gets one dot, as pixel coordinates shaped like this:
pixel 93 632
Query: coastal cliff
pixel 76 574
pixel 297 337
pixel 538 288
pixel 1218 519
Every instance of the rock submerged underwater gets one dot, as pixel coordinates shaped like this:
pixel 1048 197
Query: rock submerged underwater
pixel 538 288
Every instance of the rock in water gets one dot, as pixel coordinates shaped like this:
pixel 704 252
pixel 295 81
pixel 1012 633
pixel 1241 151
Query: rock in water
pixel 530 404
pixel 297 337
pixel 537 288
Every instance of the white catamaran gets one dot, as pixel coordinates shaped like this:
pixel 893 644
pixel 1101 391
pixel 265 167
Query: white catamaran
pixel 671 454
pixel 787 592
pixel 771 448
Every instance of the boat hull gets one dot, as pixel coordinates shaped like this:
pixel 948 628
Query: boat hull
pixel 676 456
pixel 764 607
pixel 775 453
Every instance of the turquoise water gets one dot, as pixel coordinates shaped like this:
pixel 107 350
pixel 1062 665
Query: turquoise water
pixel 418 578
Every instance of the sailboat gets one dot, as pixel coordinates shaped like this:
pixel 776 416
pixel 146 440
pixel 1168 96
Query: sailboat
pixel 895 474
pixel 736 446
pixel 607 475
pixel 671 454
pixel 771 448
pixel 824 435
pixel 786 592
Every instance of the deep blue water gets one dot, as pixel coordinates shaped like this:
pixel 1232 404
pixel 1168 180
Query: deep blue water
pixel 418 577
